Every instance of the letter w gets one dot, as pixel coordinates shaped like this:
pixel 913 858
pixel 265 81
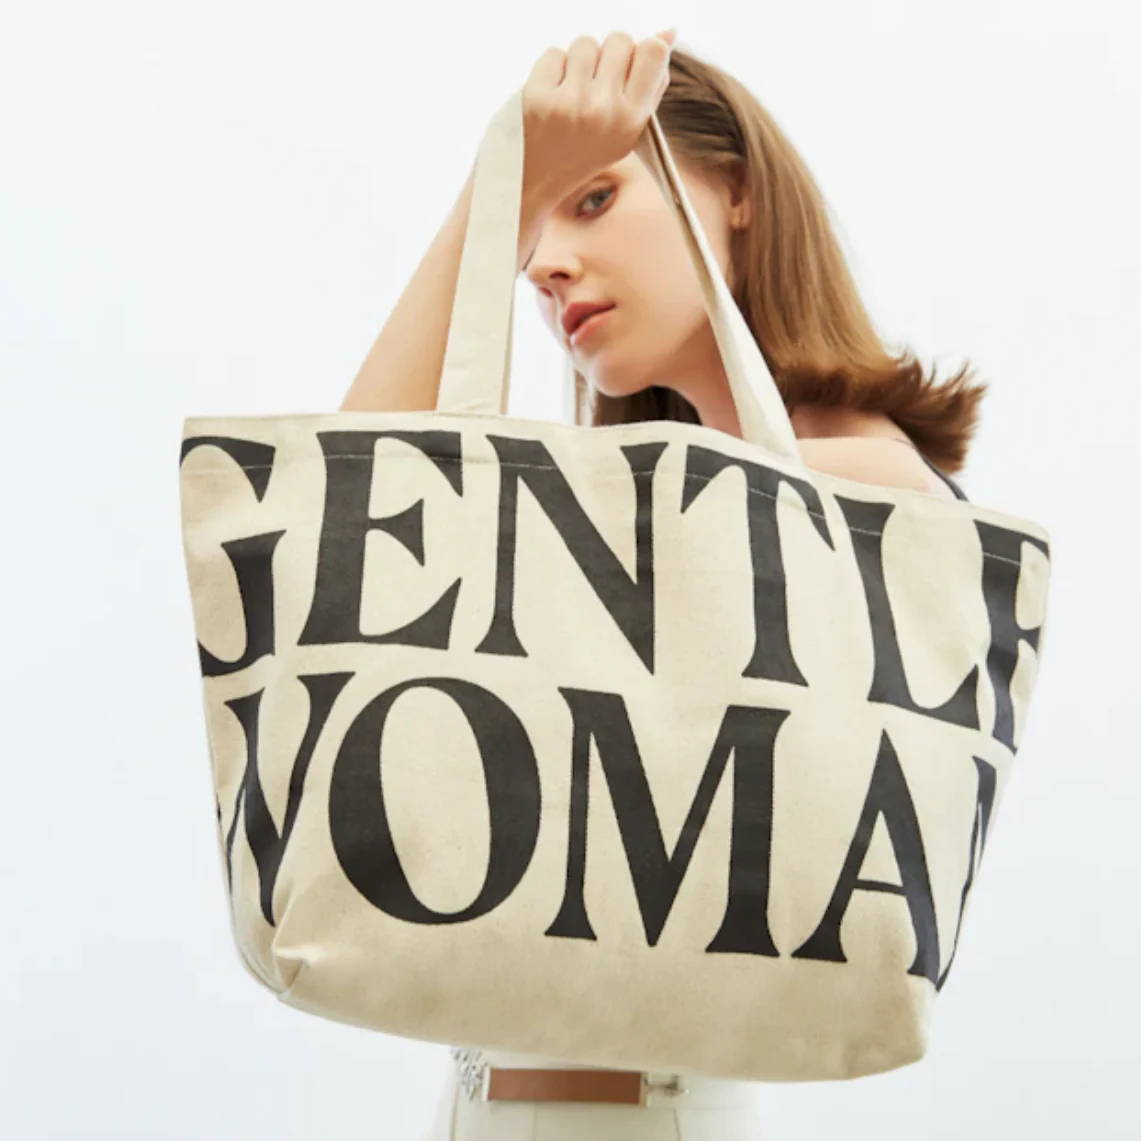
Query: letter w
pixel 266 844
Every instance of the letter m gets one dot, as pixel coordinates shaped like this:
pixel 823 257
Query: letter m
pixel 746 733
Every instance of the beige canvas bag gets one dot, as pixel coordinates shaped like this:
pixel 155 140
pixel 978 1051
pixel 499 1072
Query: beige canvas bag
pixel 641 746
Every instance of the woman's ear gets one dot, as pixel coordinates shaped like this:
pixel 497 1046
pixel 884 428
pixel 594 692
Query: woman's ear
pixel 733 188
pixel 740 208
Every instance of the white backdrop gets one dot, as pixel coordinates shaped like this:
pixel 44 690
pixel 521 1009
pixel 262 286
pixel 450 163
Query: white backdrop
pixel 211 209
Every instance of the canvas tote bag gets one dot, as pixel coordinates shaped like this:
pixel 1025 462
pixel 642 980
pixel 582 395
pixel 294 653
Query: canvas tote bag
pixel 640 746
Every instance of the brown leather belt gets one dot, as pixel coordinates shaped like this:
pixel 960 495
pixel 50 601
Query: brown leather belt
pixel 615 1087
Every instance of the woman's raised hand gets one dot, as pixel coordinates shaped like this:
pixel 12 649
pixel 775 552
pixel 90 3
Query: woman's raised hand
pixel 586 108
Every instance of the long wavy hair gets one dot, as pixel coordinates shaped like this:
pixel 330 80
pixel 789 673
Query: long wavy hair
pixel 791 281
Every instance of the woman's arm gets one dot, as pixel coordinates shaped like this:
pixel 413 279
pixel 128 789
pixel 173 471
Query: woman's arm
pixel 402 370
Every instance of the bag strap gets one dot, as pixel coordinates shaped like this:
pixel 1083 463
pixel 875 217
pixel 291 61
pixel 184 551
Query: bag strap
pixel 476 372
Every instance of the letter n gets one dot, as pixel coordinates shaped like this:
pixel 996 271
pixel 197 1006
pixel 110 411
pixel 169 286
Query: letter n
pixel 984 805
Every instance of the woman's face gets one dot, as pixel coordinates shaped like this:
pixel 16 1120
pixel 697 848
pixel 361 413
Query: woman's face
pixel 615 239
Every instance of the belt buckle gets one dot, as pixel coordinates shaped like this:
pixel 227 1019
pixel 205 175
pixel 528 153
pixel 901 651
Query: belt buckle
pixel 673 1085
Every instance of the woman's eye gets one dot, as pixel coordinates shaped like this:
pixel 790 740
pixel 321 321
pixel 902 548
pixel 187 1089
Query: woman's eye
pixel 593 193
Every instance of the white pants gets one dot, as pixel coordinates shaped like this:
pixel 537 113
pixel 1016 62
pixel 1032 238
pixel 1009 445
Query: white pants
pixel 710 1110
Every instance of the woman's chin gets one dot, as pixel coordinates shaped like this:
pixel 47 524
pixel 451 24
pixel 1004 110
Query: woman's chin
pixel 616 386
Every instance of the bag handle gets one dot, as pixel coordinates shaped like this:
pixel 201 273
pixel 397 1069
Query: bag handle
pixel 477 360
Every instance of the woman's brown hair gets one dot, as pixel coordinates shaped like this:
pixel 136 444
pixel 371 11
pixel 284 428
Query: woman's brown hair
pixel 791 281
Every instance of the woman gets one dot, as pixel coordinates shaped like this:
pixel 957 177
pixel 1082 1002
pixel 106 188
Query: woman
pixel 614 239
pixel 596 231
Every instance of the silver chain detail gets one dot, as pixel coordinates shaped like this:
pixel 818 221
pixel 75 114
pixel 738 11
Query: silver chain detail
pixel 472 1067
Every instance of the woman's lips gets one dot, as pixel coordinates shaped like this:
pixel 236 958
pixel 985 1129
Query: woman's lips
pixel 587 327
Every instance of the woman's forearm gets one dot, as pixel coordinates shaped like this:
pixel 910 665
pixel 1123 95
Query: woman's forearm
pixel 402 370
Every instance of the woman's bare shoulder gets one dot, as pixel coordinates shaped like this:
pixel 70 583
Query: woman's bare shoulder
pixel 881 460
